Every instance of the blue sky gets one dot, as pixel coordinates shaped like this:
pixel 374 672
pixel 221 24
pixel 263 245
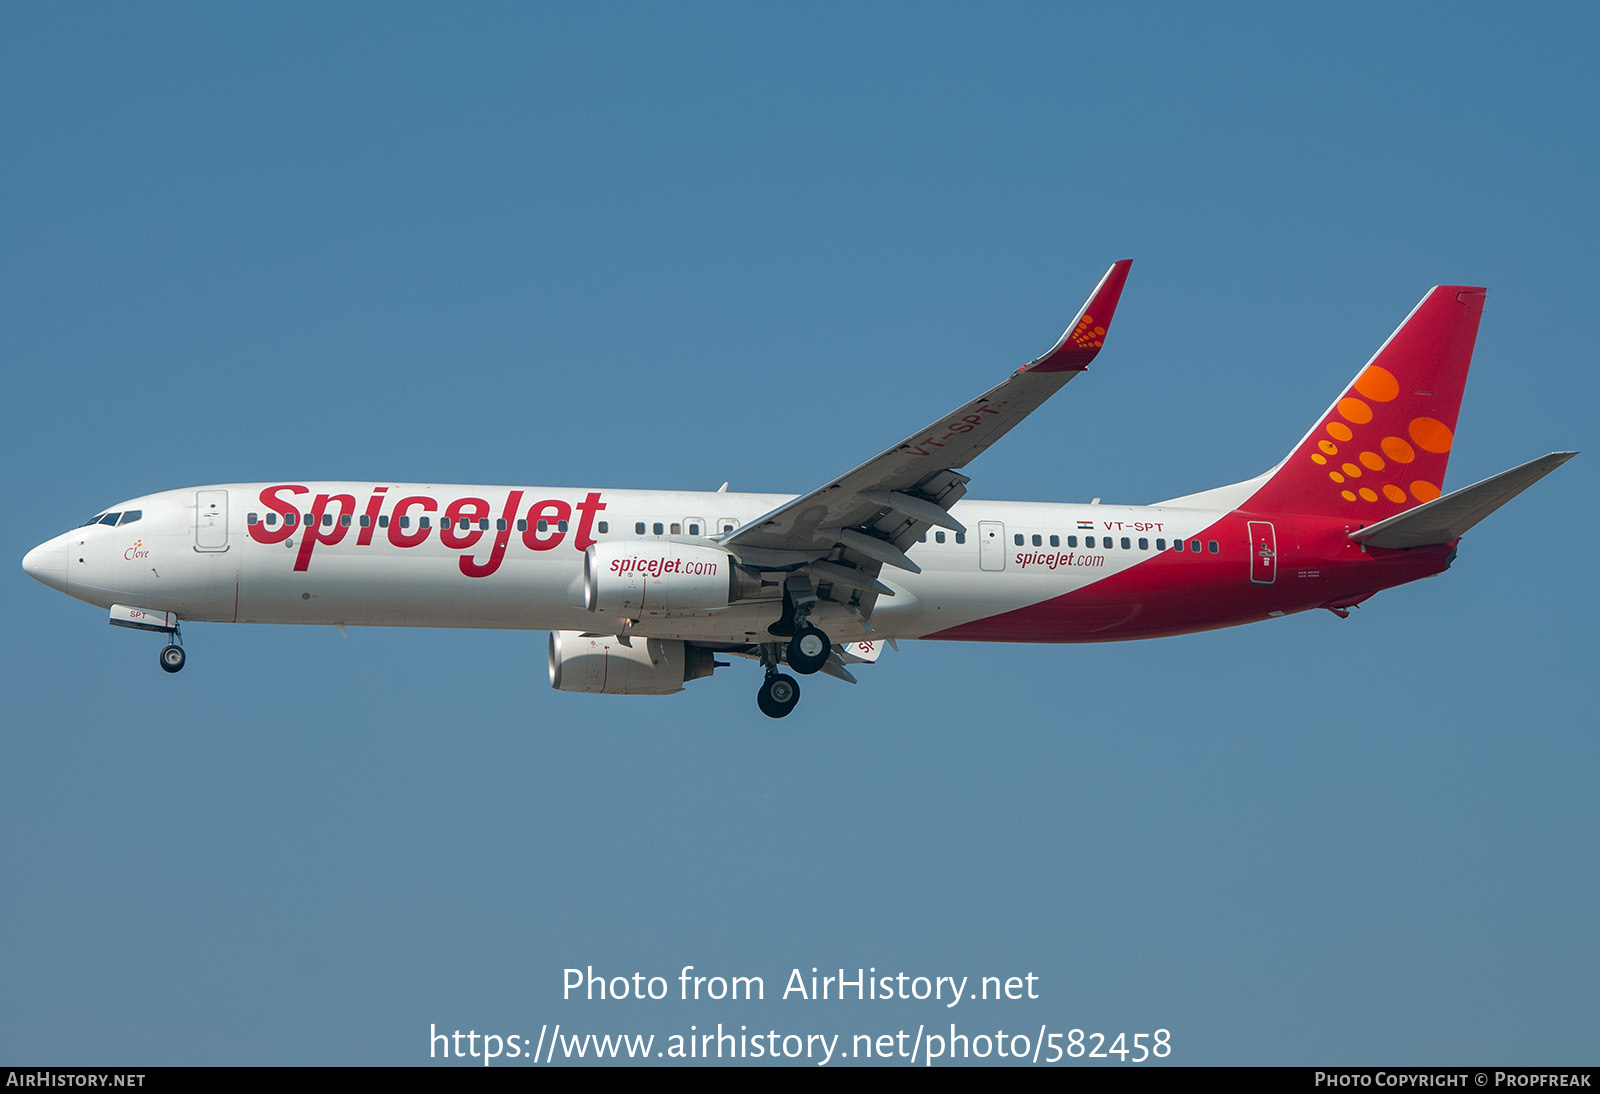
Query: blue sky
pixel 668 246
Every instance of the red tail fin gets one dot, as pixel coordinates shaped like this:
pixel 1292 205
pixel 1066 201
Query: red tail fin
pixel 1384 444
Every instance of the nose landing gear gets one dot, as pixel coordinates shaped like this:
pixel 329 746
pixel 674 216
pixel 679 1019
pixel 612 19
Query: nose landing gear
pixel 172 655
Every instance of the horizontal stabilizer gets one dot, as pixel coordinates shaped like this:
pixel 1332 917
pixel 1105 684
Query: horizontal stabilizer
pixel 1444 519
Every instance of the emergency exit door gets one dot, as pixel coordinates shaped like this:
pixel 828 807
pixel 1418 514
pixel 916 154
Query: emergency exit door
pixel 991 545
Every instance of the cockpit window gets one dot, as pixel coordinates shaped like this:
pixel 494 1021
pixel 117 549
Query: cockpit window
pixel 110 518
pixel 130 516
pixel 92 520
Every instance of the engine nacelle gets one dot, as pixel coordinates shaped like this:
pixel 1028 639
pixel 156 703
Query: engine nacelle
pixel 629 578
pixel 603 665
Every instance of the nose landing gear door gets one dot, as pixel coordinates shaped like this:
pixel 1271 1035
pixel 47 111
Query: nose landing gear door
pixel 211 520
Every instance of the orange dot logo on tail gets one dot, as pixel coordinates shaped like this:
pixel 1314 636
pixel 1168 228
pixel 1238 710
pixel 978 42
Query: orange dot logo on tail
pixel 1397 450
pixel 1355 410
pixel 1377 384
pixel 1431 435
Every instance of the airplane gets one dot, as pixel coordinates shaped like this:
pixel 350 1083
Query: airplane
pixel 643 591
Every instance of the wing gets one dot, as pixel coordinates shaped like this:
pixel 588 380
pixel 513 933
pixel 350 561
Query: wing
pixel 843 532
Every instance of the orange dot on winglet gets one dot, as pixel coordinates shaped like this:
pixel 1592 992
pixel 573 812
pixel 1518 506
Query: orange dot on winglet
pixel 1368 494
pixel 1373 461
pixel 1397 450
pixel 1355 410
pixel 1377 384
pixel 1424 491
pixel 1339 431
pixel 1394 493
pixel 1347 495
pixel 1431 434
pixel 1352 470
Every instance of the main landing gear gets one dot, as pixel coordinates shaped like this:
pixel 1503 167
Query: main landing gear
pixel 778 695
pixel 809 649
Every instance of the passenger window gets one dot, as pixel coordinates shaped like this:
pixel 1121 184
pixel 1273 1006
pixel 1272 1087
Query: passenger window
pixel 694 529
pixel 638 529
pixel 405 522
pixel 1019 539
pixel 272 518
pixel 961 537
pixel 291 519
pixel 561 526
pixel 1127 544
pixel 1038 540
pixel 544 526
pixel 604 527
pixel 366 520
pixel 250 520
pixel 500 525
pixel 522 525
pixel 727 527
pixel 1072 541
pixel 344 520
pixel 677 529
pixel 423 523
pixel 383 521
pixel 1211 545
pixel 1161 544
pixel 483 524
pixel 938 537
pixel 1194 546
pixel 1055 541
pixel 657 527
pixel 1144 544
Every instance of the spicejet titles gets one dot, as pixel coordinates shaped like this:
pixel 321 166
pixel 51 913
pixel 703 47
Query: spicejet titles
pixel 460 528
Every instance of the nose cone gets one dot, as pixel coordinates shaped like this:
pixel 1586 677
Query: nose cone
pixel 48 563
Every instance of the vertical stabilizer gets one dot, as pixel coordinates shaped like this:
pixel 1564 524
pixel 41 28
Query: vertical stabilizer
pixel 1384 444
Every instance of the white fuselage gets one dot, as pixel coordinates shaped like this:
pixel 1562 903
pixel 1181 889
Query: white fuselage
pixel 210 554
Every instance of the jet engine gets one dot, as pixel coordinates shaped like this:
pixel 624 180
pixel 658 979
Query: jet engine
pixel 628 578
pixel 603 665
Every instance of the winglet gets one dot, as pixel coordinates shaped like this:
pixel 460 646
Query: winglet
pixel 1083 338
